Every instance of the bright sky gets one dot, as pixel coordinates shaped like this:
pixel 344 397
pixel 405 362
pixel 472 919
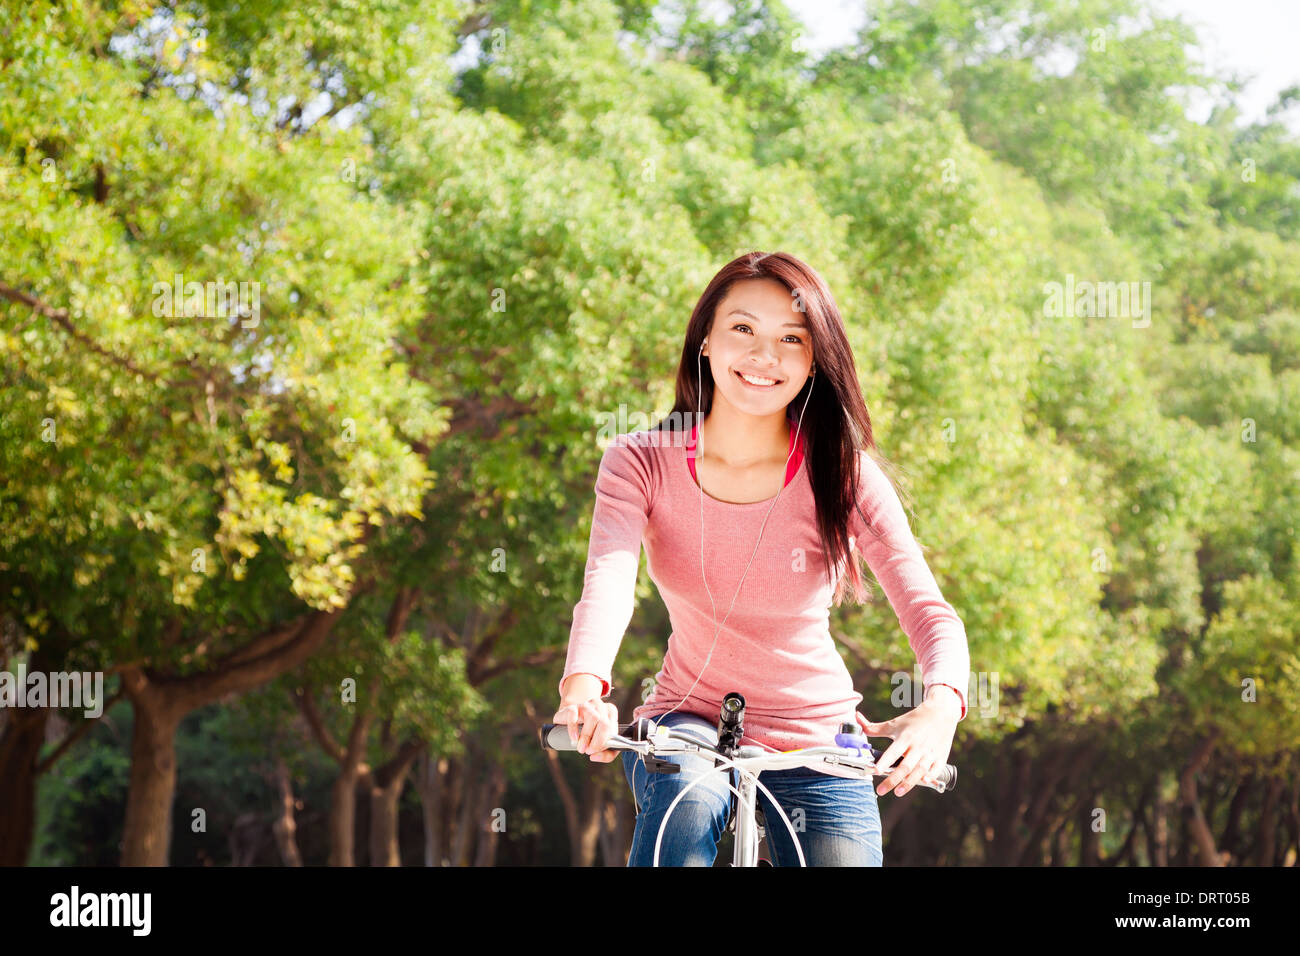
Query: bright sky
pixel 1250 36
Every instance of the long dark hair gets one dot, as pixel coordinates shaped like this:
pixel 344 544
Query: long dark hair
pixel 836 423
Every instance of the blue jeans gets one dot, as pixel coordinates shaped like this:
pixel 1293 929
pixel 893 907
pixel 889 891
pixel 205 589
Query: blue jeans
pixel 839 824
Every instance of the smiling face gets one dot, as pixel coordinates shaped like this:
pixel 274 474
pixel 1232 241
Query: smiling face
pixel 757 332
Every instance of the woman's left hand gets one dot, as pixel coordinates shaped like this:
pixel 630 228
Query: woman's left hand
pixel 922 740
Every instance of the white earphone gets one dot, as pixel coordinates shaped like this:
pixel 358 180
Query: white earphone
pixel 699 436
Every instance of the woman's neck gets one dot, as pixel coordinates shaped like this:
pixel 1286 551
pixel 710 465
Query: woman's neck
pixel 742 441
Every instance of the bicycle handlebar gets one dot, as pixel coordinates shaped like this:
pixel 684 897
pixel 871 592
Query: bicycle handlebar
pixel 556 737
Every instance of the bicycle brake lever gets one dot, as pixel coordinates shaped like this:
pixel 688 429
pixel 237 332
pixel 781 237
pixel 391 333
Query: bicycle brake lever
pixel 656 765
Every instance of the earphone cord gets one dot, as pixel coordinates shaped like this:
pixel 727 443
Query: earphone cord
pixel 699 436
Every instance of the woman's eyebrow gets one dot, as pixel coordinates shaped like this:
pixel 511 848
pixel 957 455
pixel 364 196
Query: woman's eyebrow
pixel 797 325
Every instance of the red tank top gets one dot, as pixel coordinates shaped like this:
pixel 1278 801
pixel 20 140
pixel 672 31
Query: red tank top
pixel 791 469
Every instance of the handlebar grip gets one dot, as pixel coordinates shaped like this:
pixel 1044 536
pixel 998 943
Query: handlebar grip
pixel 556 736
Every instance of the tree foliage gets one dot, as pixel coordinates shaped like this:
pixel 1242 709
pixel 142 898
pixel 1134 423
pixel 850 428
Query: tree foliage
pixel 476 231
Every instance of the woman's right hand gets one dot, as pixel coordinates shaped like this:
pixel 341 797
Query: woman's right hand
pixel 599 720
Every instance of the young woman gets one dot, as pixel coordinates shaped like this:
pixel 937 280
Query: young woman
pixel 762 479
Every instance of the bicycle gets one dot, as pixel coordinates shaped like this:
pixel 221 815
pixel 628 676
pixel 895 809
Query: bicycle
pixel 852 751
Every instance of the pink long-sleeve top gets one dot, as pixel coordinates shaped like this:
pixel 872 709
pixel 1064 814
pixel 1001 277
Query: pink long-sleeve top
pixel 775 646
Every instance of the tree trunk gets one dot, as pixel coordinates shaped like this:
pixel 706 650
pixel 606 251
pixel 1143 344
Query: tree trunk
pixel 593 807
pixel 1265 845
pixel 160 701
pixel 354 772
pixel 1056 773
pixel 146 835
pixel 1125 854
pixel 21 738
pixel 1231 842
pixel 469 820
pixel 614 839
pixel 1061 846
pixel 384 848
pixel 1157 833
pixel 285 828
pixel 627 826
pixel 1193 817
pixel 1006 849
pixel 432 773
pixel 489 834
pixel 453 785
pixel 468 799
pixel 1089 843
pixel 247 836
pixel 343 817
pixel 386 785
pixel 1183 848
pixel 1292 853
